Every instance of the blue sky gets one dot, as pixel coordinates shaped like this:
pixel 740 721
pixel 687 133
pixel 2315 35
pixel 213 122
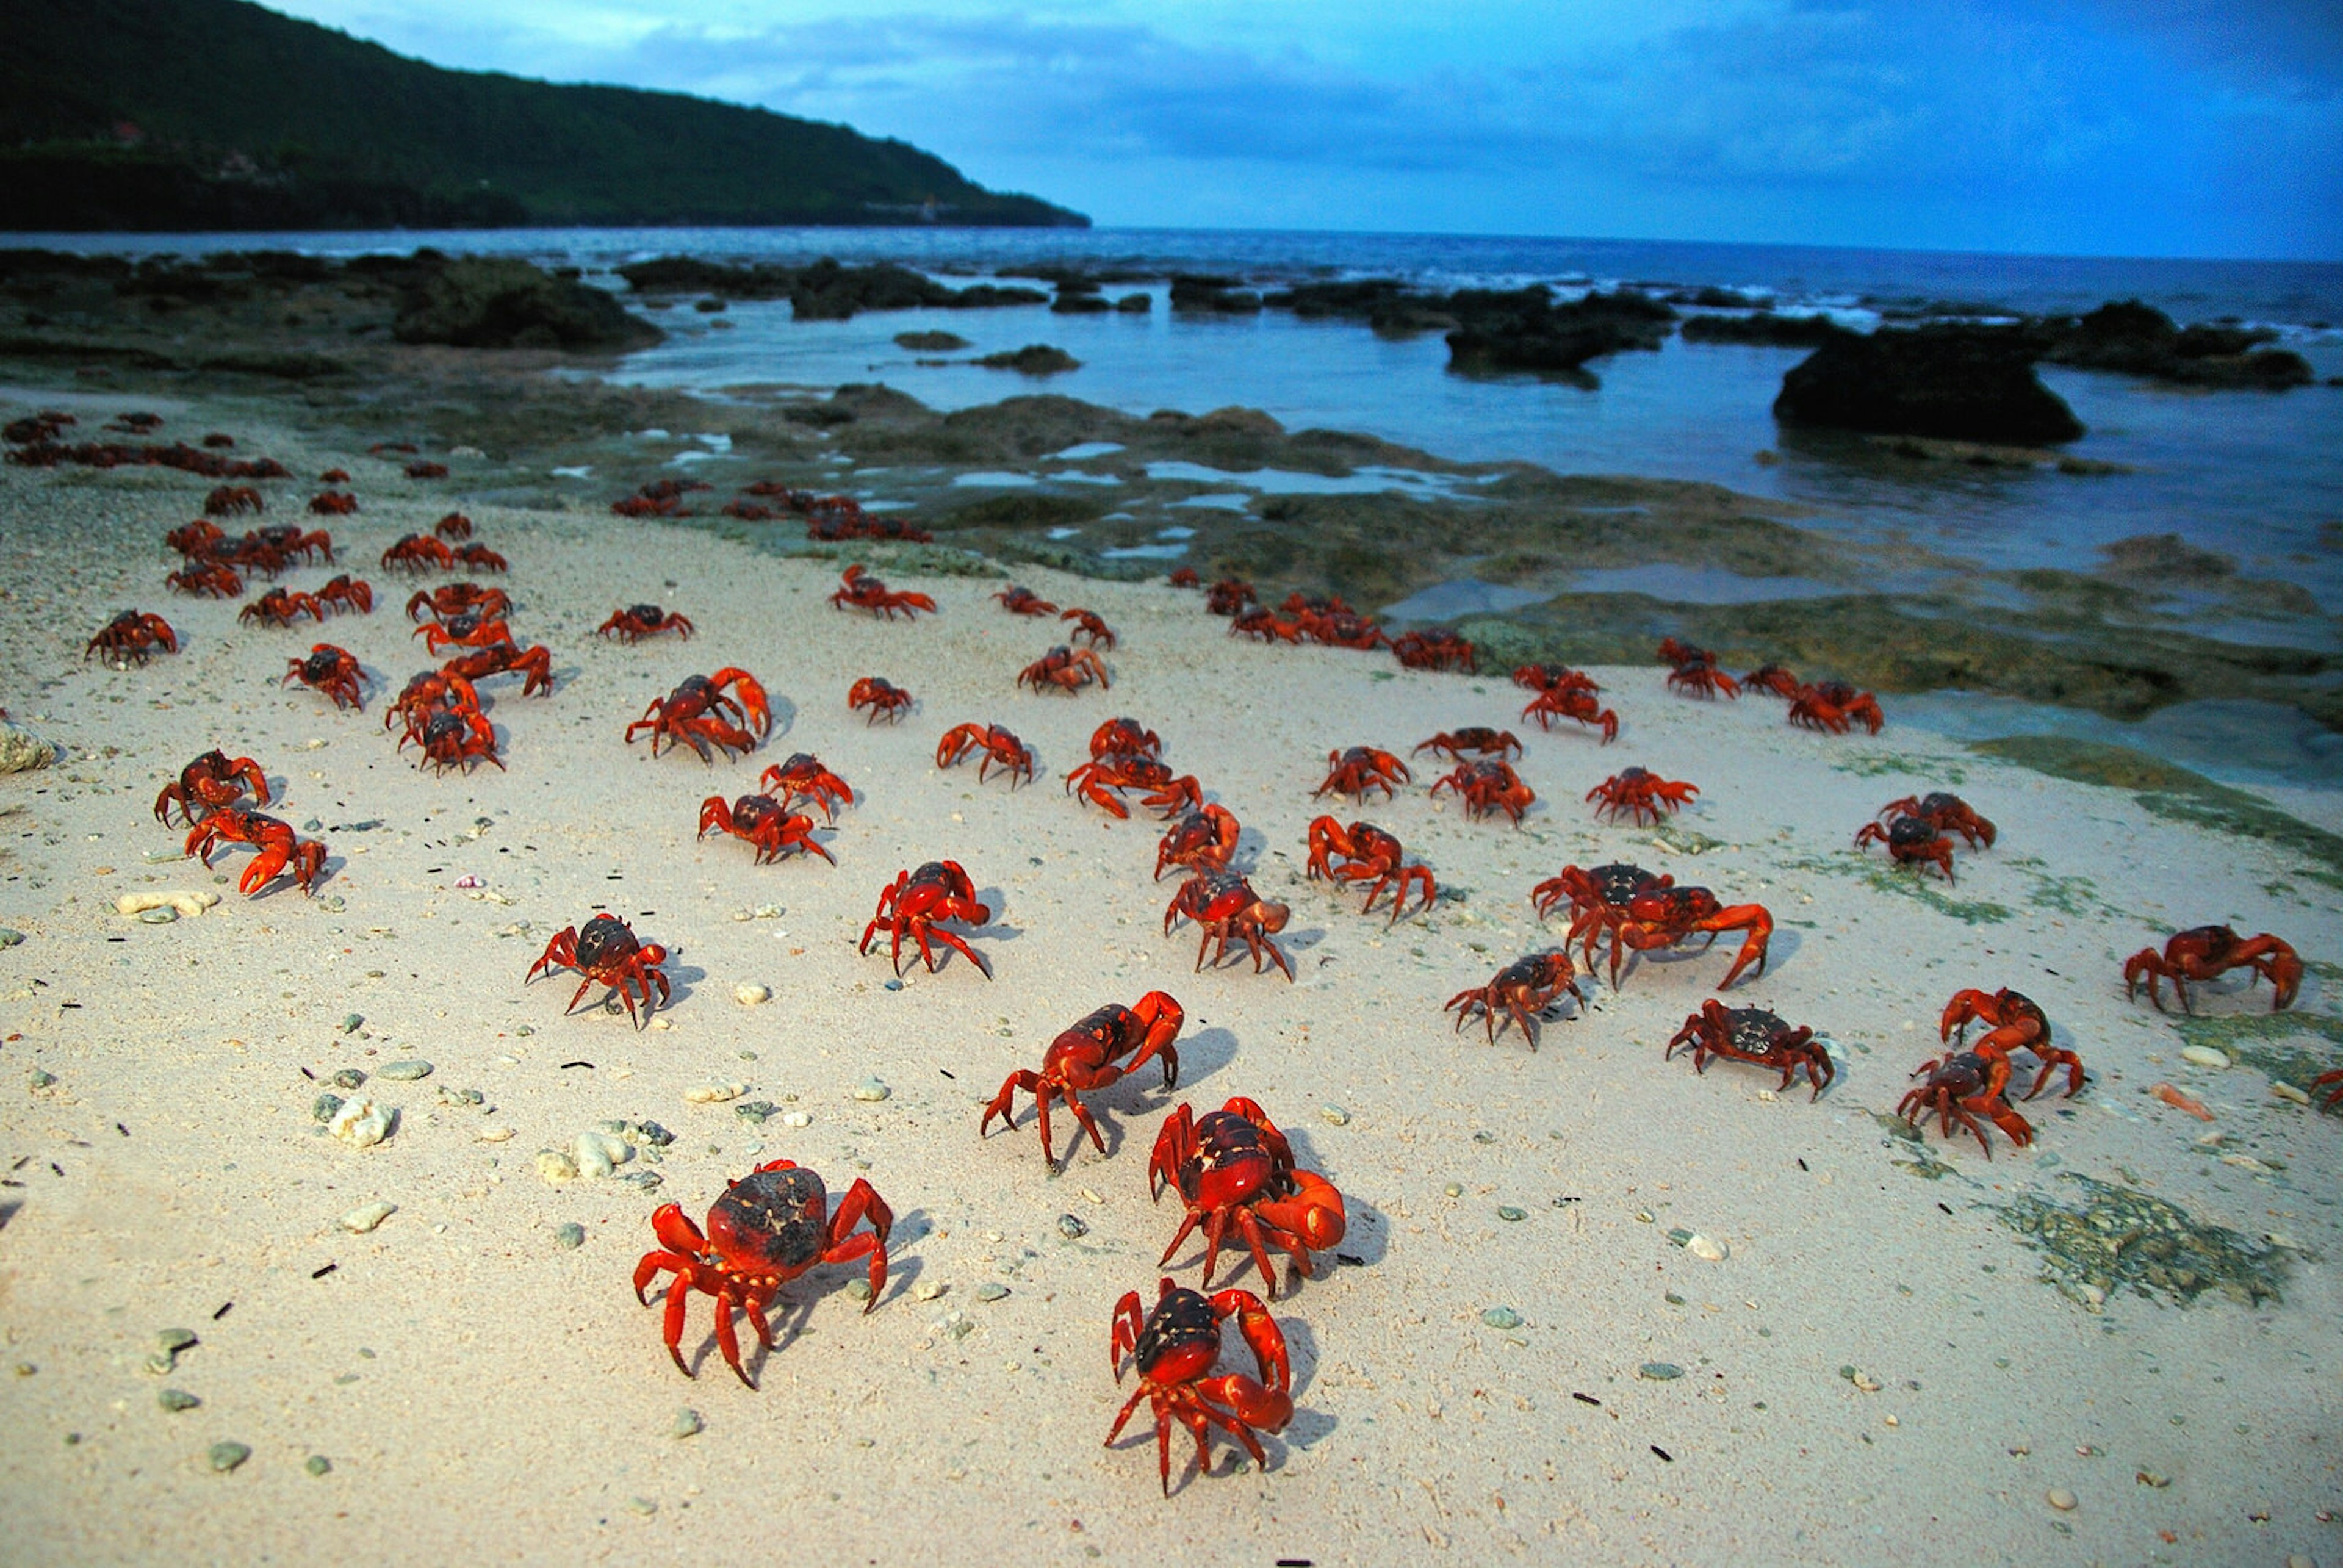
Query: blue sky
pixel 2162 127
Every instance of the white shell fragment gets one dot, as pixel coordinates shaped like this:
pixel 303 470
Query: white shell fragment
pixel 599 1154
pixel 1705 1248
pixel 21 750
pixel 556 1166
pixel 495 1133
pixel 183 903
pixel 751 995
pixel 713 1093
pixel 366 1216
pixel 2204 1056
pixel 360 1123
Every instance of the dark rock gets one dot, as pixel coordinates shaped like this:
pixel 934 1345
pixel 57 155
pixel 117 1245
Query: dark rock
pixel 1033 360
pixel 823 291
pixel 930 342
pixel 491 302
pixel 1135 303
pixel 1523 329
pixel 685 275
pixel 2137 339
pixel 1080 304
pixel 1761 327
pixel 1210 293
pixel 1708 296
pixel 1962 383
pixel 2165 557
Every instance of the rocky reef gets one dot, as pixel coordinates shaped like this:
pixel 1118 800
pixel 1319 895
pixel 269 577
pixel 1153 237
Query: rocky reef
pixel 1956 382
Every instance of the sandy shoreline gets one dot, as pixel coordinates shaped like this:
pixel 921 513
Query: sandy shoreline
pixel 477 1387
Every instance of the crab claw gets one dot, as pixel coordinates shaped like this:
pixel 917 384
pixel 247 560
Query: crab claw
pixel 751 696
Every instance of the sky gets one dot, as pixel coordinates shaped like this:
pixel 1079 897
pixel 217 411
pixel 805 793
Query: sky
pixel 2108 127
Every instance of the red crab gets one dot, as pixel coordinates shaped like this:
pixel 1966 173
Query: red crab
pixel 432 692
pixel 1372 855
pixel 1264 625
pixel 764 822
pixel 1753 1035
pixel 1599 900
pixel 1226 908
pixel 1911 841
pixel 1961 1088
pixel 1184 578
pixel 1100 634
pixel 1229 596
pixel 1065 670
pixel 1946 813
pixel 1204 840
pixel 460 598
pixel 420 552
pixel 332 670
pixel 1575 702
pixel 129 637
pixel 1703 680
pixel 1088 1056
pixel 999 746
pixel 468 629
pixel 1175 1345
pixel 227 500
pixel 334 477
pixel 1435 649
pixel 277 607
pixel 637 622
pixel 1833 705
pixel 802 777
pixel 533 665
pixel 423 469
pixel 1478 739
pixel 455 527
pixel 1125 737
pixel 770 1227
pixel 883 699
pixel 347 592
pixel 1361 769
pixel 1165 793
pixel 694 714
pixel 2013 1022
pixel 1019 599
pixel 1488 786
pixel 607 952
pixel 288 541
pixel 333 503
pixel 212 579
pixel 1522 990
pixel 859 590
pixel 1663 917
pixel 198 538
pixel 454 737
pixel 277 847
pixel 1235 1171
pixel 1551 676
pixel 212 782
pixel 480 559
pixel 2202 953
pixel 1639 793
pixel 1771 677
pixel 915 903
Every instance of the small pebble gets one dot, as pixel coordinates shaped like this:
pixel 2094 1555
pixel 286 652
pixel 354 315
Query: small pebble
pixel 1507 1211
pixel 361 1124
pixel 350 1021
pixel 2204 1056
pixel 163 916
pixel 992 1291
pixel 2296 1560
pixel 1660 1372
pixel 2059 1498
pixel 555 1166
pixel 1502 1317
pixel 323 1108
pixel 317 1464
pixel 1453 1190
pixel 175 1399
pixel 37 1079
pixel 1709 1251
pixel 2288 1091
pixel 687 1423
pixel 570 1237
pixel 796 1119
pixel 347 1077
pixel 366 1216
pixel 494 1132
pixel 404 1071
pixel 642 1505
pixel 713 1093
pixel 928 1289
pixel 10 936
pixel 748 995
pixel 171 1341
pixel 226 1456
pixel 870 1088
pixel 1072 1228
pixel 894 985
pixel 1336 1115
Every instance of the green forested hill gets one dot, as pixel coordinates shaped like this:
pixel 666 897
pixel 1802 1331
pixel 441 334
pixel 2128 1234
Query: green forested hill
pixel 197 113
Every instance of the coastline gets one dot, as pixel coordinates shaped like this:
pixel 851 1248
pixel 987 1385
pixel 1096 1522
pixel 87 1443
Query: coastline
pixel 1875 1347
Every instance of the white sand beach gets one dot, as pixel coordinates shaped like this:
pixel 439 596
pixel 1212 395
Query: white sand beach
pixel 1875 1369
